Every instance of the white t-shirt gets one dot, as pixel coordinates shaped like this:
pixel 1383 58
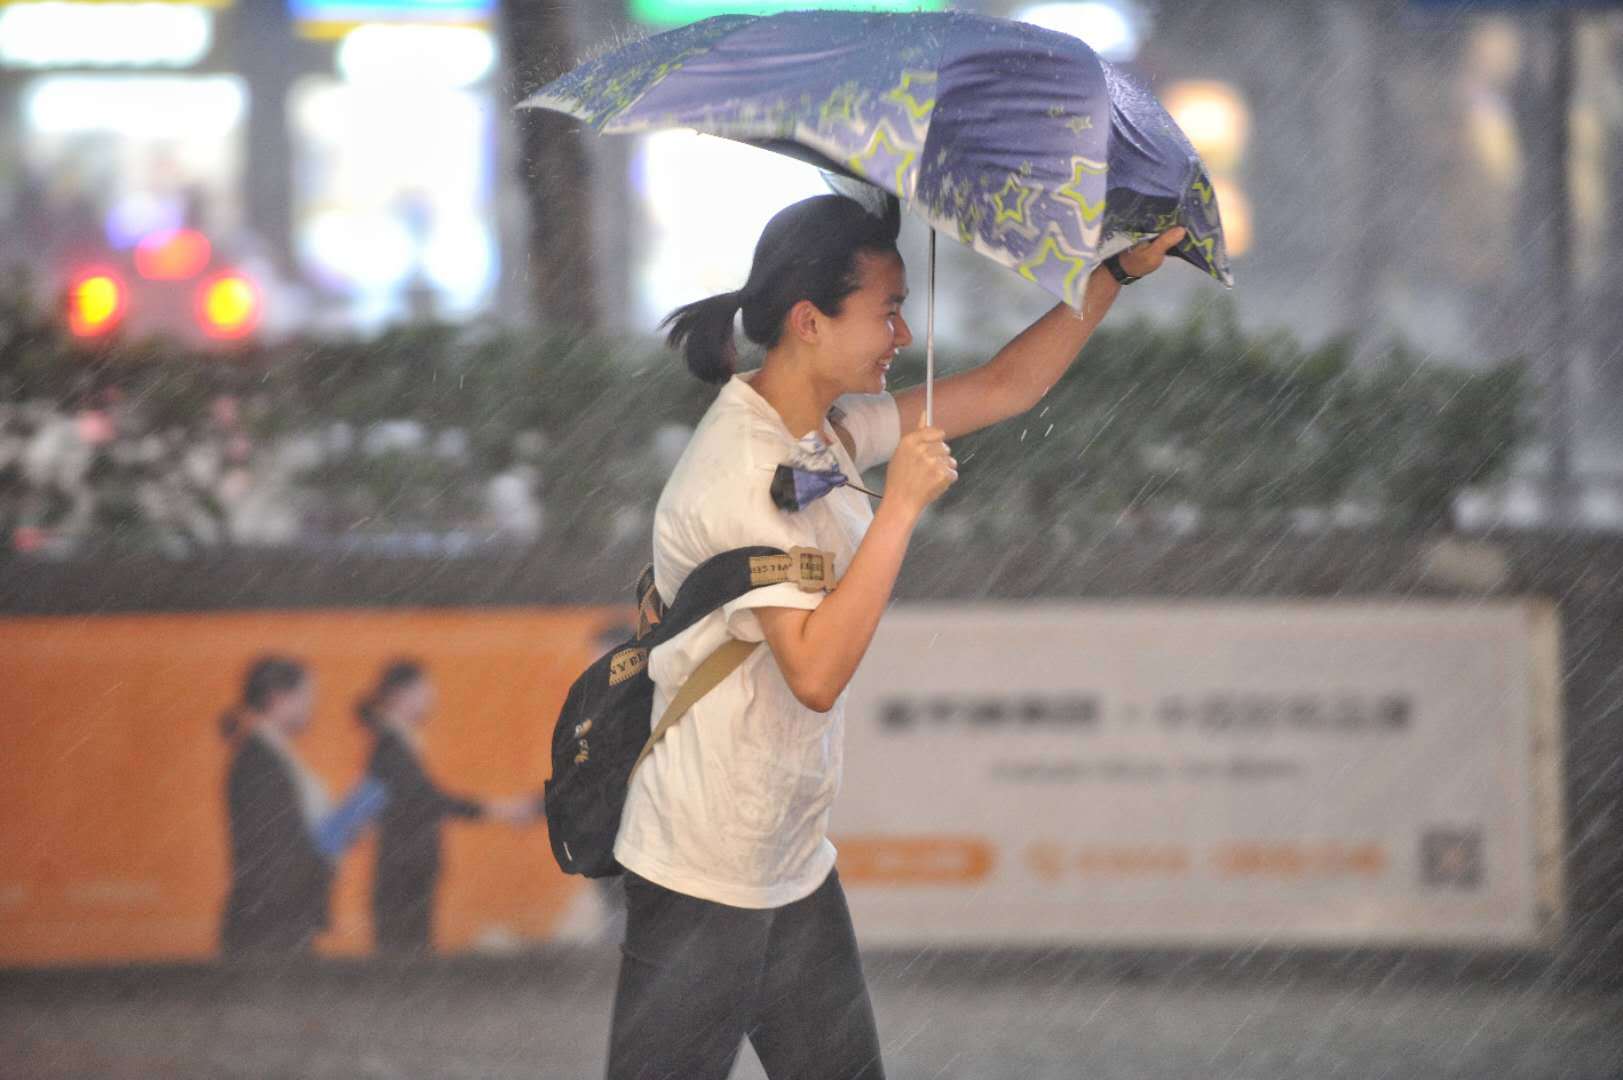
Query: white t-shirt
pixel 732 805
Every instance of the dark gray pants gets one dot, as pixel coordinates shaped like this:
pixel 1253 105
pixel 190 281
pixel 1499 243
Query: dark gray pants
pixel 697 977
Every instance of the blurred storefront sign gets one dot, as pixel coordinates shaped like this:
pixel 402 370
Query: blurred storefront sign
pixel 1356 774
pixel 332 19
pixel 58 33
pixel 300 166
pixel 377 218
pixel 678 12
pixel 382 229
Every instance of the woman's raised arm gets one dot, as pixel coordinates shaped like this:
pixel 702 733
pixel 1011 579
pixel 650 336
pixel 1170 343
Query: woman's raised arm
pixel 1027 367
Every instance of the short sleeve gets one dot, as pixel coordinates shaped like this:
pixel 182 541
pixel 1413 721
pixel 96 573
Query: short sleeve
pixel 742 622
pixel 875 425
pixel 747 517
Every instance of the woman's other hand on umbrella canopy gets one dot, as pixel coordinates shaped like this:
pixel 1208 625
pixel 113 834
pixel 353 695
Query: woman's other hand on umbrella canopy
pixel 1145 258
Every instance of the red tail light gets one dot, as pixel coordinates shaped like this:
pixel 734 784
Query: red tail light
pixel 228 306
pixel 172 256
pixel 96 302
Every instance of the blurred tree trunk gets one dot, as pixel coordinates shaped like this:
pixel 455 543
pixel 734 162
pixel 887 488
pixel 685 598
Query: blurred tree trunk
pixel 1543 311
pixel 1371 38
pixel 1608 298
pixel 554 168
pixel 269 58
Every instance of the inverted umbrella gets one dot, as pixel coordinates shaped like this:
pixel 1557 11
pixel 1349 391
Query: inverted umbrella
pixel 1018 140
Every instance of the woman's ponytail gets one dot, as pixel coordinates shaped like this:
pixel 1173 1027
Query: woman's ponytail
pixel 231 723
pixel 703 330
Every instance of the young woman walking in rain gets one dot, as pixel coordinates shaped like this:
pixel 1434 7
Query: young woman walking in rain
pixel 736 922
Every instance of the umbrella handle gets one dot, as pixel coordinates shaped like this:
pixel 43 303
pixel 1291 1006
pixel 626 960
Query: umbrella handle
pixel 929 339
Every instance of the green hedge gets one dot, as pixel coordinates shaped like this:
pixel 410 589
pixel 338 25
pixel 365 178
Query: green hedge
pixel 1155 423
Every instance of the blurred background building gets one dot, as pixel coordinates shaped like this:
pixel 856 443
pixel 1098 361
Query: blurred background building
pixel 254 171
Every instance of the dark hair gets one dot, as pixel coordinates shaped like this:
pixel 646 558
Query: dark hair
pixel 391 680
pixel 267 677
pixel 808 251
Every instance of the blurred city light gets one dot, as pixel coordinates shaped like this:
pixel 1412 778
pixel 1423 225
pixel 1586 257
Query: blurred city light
pixel 374 210
pixel 1494 52
pixel 53 34
pixel 707 200
pixel 1235 209
pixel 1214 117
pixel 459 257
pixel 1492 134
pixel 359 251
pixel 96 301
pixel 1491 61
pixel 439 55
pixel 228 306
pixel 1114 30
pixel 172 256
pixel 136 215
pixel 133 106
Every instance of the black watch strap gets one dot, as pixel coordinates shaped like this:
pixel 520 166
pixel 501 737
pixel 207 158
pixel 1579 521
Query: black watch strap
pixel 1113 264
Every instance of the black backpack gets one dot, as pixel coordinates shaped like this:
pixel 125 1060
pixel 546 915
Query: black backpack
pixel 602 732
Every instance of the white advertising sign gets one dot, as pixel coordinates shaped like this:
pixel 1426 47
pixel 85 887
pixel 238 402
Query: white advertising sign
pixel 1206 774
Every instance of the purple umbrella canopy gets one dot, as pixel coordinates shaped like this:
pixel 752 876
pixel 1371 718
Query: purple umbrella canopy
pixel 1019 141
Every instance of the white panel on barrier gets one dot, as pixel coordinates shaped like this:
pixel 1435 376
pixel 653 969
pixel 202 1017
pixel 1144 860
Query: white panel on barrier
pixel 1206 774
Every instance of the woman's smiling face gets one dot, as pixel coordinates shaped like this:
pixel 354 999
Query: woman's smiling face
pixel 864 337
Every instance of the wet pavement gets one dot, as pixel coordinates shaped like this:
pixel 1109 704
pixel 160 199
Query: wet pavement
pixel 1036 1017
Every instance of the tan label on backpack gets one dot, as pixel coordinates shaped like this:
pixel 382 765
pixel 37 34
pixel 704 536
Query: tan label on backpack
pixel 809 568
pixel 625 664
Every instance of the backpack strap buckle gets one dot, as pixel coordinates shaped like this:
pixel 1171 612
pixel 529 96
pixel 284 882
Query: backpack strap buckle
pixel 810 568
pixel 650 608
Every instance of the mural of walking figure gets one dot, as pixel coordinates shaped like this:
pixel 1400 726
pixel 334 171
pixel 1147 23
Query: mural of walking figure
pixel 407 872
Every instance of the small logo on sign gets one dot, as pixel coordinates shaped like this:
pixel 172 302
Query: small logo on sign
pixel 1451 858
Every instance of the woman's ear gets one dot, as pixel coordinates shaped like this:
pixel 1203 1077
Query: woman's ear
pixel 805 321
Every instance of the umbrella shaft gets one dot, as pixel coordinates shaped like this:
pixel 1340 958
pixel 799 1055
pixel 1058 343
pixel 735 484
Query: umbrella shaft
pixel 929 339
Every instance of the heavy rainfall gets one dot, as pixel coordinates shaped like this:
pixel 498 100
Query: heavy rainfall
pixel 1135 588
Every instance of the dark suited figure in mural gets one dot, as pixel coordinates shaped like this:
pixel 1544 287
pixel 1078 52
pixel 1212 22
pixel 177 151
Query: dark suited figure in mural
pixel 408 850
pixel 280 882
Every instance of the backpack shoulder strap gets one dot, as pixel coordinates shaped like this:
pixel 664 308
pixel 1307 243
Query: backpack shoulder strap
pixel 716 582
pixel 705 678
pixel 725 577
pixel 836 420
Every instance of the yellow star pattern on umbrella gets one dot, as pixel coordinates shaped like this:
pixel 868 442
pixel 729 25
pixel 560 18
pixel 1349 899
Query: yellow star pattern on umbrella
pixel 1054 246
pixel 1088 210
pixel 885 138
pixel 1022 193
pixel 841 105
pixel 902 94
